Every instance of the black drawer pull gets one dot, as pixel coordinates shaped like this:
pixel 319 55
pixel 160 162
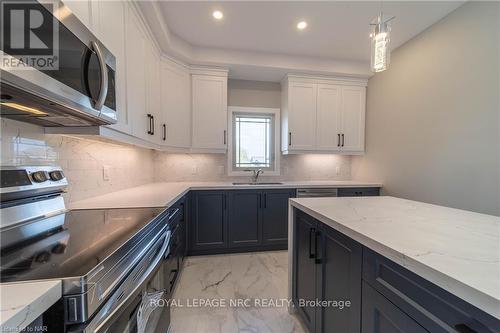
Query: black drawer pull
pixel 316 235
pixel 463 328
pixel 311 232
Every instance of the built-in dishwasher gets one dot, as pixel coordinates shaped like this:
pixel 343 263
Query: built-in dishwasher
pixel 316 192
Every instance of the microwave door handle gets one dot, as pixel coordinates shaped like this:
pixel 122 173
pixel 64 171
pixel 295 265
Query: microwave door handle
pixel 103 89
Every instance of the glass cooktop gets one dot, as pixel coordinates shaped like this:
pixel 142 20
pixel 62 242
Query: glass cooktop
pixel 86 238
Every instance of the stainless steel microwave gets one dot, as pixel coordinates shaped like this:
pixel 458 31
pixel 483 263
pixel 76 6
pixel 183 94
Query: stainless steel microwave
pixel 79 91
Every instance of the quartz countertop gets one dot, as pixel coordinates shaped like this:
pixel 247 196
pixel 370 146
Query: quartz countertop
pixel 455 249
pixel 23 302
pixel 163 194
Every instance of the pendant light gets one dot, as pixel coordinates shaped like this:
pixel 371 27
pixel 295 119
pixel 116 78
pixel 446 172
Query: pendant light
pixel 380 43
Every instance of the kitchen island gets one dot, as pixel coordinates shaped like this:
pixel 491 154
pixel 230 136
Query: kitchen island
pixel 413 266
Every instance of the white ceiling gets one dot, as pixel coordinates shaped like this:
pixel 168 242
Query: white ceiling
pixel 336 30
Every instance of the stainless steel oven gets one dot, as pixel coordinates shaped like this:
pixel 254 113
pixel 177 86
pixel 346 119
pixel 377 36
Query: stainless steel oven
pixel 80 91
pixel 139 304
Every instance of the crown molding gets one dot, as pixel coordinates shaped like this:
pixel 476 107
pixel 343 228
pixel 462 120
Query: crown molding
pixel 248 65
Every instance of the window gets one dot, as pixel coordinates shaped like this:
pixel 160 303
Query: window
pixel 253 140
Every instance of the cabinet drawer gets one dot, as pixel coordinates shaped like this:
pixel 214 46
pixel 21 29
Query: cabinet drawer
pixel 381 316
pixel 432 307
pixel 359 192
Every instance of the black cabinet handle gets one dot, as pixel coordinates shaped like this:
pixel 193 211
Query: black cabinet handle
pixel 316 235
pixel 342 139
pixel 338 139
pixel 225 137
pixel 153 126
pixel 265 200
pixel 260 200
pixel 289 138
pixel 149 124
pixel 463 328
pixel 311 232
pixel 164 132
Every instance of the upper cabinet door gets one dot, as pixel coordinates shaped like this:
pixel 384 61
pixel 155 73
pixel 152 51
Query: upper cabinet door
pixel 111 31
pixel 328 117
pixel 153 91
pixel 209 96
pixel 136 75
pixel 176 105
pixel 302 116
pixel 353 118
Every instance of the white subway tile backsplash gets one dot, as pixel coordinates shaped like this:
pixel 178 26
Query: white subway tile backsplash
pixel 81 159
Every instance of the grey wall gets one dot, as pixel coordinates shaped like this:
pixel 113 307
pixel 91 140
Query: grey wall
pixel 432 128
pixel 254 94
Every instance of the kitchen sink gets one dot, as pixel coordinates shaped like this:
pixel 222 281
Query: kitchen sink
pixel 259 183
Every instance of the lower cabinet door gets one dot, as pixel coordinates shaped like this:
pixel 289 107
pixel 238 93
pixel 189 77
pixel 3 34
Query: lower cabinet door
pixel 339 281
pixel 244 218
pixel 208 222
pixel 304 285
pixel 275 216
pixel 381 316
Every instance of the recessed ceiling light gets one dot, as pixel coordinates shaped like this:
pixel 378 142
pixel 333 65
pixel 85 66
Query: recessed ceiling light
pixel 302 25
pixel 217 15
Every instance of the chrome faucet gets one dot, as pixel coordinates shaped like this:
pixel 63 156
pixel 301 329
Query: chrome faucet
pixel 256 174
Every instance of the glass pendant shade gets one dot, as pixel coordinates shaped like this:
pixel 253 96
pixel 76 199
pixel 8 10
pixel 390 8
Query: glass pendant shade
pixel 380 45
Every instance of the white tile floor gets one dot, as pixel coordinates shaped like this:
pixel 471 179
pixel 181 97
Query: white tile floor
pixel 250 277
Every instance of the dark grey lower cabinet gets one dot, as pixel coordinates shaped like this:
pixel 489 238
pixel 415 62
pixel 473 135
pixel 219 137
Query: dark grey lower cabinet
pixel 340 262
pixel 245 218
pixel 238 220
pixel 381 316
pixel 275 216
pixel 358 191
pixel 304 284
pixel 208 220
pixel 327 268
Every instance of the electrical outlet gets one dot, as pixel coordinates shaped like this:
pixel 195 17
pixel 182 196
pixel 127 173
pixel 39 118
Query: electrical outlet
pixel 194 170
pixel 105 172
pixel 337 170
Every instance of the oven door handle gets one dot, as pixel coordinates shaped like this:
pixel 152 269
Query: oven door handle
pixel 118 300
pixel 103 88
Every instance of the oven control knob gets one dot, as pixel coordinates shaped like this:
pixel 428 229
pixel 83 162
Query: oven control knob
pixel 56 175
pixel 39 176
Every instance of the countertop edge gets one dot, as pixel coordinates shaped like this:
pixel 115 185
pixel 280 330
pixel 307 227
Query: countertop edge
pixel 199 186
pixel 482 301
pixel 22 315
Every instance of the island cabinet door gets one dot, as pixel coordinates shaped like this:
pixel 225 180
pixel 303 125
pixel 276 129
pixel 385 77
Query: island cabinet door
pixel 381 316
pixel 304 285
pixel 275 216
pixel 208 222
pixel 339 263
pixel 244 218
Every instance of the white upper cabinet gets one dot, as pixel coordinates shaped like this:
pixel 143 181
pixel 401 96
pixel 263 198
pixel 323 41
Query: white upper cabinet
pixel 153 91
pixel 302 116
pixel 323 115
pixel 209 103
pixel 175 105
pixel 136 76
pixel 110 29
pixel 352 130
pixel 328 122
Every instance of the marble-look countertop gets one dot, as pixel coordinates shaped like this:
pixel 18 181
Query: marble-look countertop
pixel 163 194
pixel 455 249
pixel 21 303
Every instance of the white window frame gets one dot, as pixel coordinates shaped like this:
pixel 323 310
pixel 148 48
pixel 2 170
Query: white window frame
pixel 277 139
